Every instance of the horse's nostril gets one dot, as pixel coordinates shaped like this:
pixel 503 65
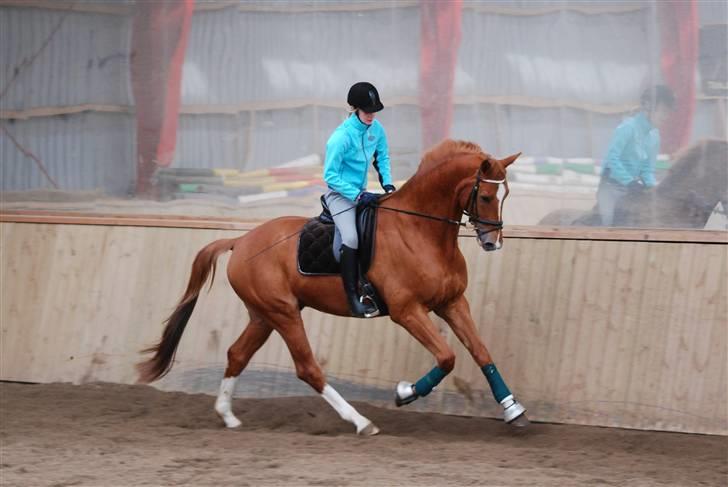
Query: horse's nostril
pixel 489 246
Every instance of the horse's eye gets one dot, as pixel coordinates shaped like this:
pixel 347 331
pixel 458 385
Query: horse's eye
pixel 485 199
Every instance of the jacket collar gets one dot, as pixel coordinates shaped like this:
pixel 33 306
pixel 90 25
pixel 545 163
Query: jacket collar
pixel 643 123
pixel 356 124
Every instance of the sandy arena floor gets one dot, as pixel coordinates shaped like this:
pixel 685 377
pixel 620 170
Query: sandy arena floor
pixel 106 434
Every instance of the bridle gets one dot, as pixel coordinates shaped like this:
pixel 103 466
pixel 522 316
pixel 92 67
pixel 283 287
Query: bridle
pixel 471 208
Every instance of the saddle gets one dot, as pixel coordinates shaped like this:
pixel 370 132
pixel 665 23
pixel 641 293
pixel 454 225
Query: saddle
pixel 315 254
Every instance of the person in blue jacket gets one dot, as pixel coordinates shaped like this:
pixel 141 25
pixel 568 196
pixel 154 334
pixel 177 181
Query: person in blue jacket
pixel 353 145
pixel 630 161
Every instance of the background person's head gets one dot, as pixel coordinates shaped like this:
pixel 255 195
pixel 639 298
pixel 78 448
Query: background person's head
pixel 364 99
pixel 658 102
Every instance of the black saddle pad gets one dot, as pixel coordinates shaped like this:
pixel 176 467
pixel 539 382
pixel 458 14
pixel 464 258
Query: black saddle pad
pixel 315 254
pixel 315 244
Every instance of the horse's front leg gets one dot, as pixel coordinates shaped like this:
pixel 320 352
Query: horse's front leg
pixel 415 320
pixel 457 314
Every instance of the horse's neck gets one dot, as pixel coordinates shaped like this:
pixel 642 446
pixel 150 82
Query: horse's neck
pixel 693 187
pixel 666 208
pixel 435 194
pixel 685 207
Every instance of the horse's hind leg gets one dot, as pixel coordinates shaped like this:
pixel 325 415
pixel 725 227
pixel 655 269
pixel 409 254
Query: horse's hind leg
pixel 239 354
pixel 308 370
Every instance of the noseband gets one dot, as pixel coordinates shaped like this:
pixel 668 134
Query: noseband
pixel 471 209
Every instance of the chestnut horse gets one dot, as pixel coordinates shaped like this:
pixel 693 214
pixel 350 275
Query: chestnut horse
pixel 417 268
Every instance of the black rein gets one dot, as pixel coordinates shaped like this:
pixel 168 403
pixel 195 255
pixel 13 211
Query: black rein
pixel 471 211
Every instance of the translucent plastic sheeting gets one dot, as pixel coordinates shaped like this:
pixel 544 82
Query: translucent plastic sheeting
pixel 224 108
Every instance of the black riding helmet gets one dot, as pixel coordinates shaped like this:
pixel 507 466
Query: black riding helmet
pixel 657 95
pixel 364 96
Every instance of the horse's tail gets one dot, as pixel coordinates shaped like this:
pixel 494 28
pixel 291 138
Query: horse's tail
pixel 164 351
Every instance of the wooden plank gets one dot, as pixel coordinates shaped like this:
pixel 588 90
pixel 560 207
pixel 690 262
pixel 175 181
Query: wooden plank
pixel 613 346
pixel 272 7
pixel 623 365
pixel 235 109
pixel 531 11
pixel 553 388
pixel 693 355
pixel 166 221
pixel 100 7
pixel 716 299
pixel 55 111
pixel 24 286
pixel 598 291
pixel 618 234
pixel 542 380
pixel 221 223
pixel 651 340
pixel 295 8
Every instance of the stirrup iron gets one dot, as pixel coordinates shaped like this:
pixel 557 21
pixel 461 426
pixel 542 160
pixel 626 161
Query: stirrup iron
pixel 376 311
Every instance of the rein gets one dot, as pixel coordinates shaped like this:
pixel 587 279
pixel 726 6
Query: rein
pixel 423 215
pixel 471 211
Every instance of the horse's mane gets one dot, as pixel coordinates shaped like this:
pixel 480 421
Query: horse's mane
pixel 447 150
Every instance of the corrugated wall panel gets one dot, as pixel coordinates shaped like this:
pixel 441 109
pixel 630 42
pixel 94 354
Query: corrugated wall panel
pixel 212 141
pixel 81 152
pixel 239 57
pixel 86 61
pixel 563 55
pixel 628 334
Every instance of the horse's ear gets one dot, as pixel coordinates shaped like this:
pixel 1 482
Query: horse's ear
pixel 509 160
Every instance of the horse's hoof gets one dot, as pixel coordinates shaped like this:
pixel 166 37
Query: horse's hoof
pixel 232 422
pixel 369 430
pixel 521 421
pixel 405 393
pixel 512 409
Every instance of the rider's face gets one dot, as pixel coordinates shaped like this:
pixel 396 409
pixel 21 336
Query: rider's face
pixel 365 117
pixel 660 115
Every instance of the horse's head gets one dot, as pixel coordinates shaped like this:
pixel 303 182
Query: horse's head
pixel 695 183
pixel 484 203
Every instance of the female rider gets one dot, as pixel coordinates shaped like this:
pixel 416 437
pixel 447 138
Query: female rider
pixel 630 161
pixel 354 143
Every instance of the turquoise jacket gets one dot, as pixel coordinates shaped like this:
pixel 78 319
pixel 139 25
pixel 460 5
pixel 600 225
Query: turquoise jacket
pixel 632 151
pixel 348 152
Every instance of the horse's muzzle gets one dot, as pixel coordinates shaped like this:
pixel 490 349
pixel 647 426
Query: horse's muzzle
pixel 489 241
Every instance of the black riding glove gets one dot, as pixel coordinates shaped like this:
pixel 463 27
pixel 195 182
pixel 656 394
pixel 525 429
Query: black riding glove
pixel 366 198
pixel 389 188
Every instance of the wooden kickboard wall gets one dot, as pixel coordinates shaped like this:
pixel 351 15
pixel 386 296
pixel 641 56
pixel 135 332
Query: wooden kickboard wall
pixel 627 334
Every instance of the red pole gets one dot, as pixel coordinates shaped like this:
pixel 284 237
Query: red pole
pixel 439 43
pixel 679 56
pixel 160 32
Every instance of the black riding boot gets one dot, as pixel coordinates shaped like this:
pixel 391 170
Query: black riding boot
pixel 350 276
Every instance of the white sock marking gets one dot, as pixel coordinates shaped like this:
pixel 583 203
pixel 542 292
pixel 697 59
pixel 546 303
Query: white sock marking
pixel 223 404
pixel 346 410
